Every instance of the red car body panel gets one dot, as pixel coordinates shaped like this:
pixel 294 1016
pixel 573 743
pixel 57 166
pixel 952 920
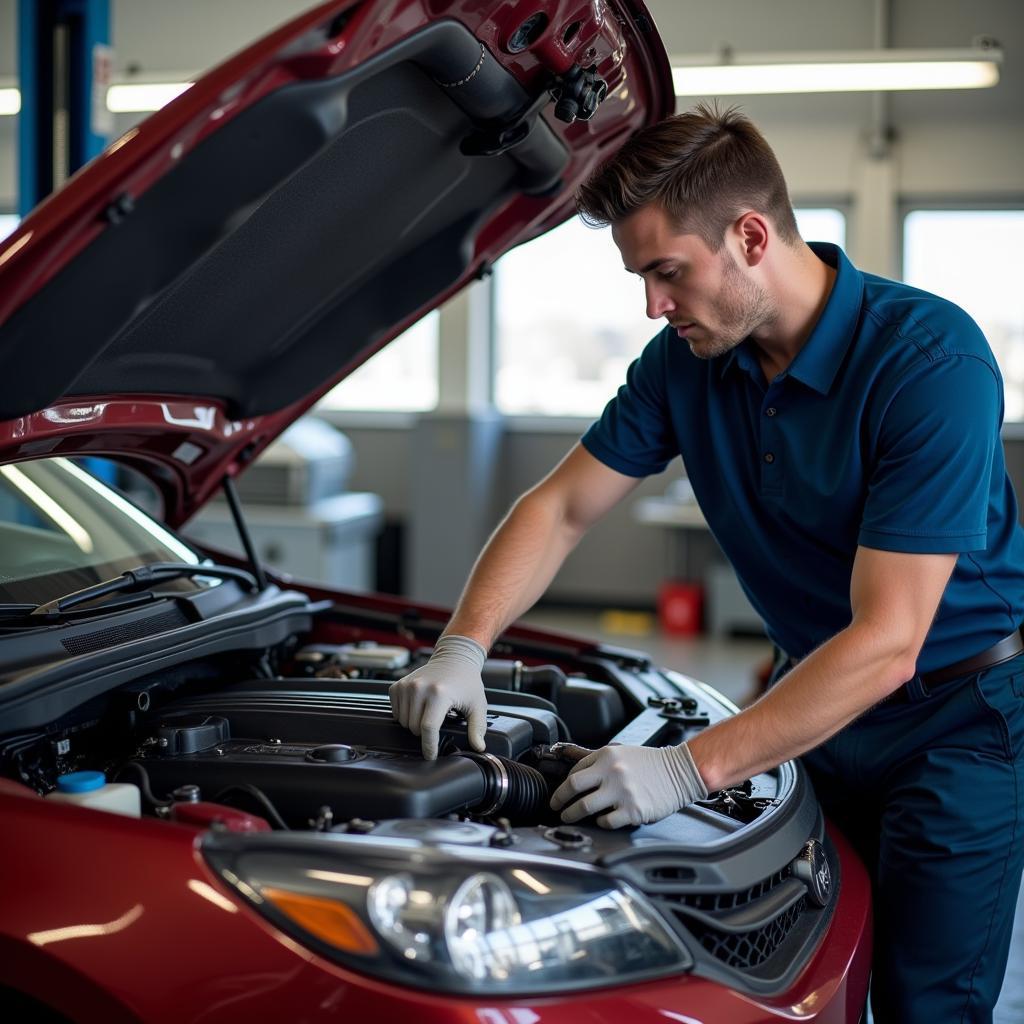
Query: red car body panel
pixel 135 926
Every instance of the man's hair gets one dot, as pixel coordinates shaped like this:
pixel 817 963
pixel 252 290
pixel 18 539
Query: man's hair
pixel 704 168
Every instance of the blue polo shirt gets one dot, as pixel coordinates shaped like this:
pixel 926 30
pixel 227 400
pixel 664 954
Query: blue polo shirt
pixel 883 432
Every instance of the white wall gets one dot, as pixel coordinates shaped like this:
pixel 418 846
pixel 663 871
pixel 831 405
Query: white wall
pixel 967 144
pixel 8 125
pixel 8 163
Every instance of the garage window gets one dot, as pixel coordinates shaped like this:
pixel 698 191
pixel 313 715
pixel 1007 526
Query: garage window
pixel 972 257
pixel 569 320
pixel 402 377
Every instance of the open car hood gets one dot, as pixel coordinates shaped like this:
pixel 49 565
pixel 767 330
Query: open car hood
pixel 220 267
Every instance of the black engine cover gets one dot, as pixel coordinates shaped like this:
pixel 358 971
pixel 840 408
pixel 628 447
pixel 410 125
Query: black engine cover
pixel 298 781
pixel 306 748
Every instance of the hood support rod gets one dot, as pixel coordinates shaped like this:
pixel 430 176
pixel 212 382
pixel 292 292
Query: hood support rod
pixel 231 493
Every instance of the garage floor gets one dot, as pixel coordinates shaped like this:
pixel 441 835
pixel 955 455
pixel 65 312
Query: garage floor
pixel 729 665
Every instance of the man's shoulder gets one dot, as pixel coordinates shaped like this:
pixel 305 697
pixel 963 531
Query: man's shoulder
pixel 931 325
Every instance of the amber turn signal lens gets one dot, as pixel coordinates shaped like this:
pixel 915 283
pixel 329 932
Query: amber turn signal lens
pixel 328 920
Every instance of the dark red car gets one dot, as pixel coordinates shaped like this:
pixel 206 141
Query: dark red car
pixel 283 852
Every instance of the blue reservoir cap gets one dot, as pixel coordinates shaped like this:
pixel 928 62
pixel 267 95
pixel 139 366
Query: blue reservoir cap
pixel 80 782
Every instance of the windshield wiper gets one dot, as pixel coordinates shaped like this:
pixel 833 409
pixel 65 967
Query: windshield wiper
pixel 143 576
pixel 16 611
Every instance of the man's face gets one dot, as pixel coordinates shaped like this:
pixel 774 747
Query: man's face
pixel 704 295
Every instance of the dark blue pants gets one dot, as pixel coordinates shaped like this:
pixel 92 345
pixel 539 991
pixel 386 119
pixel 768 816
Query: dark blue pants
pixel 931 793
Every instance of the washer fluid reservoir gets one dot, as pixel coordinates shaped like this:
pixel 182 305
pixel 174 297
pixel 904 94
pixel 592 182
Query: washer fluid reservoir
pixel 91 789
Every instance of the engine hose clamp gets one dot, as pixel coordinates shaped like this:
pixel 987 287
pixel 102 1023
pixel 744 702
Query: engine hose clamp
pixel 503 784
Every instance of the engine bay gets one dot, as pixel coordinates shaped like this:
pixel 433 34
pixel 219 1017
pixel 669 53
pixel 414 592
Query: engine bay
pixel 311 744
pixel 296 738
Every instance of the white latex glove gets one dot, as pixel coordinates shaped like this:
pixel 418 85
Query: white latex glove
pixel 635 785
pixel 450 679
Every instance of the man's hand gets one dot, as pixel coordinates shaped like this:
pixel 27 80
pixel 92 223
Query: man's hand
pixel 451 679
pixel 635 785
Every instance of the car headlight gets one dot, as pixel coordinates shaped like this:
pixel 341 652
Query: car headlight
pixel 450 918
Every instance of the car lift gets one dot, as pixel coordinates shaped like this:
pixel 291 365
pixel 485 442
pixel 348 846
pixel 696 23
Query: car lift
pixel 64 61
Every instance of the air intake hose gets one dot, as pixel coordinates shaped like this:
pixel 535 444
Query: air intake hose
pixel 512 790
pixel 544 680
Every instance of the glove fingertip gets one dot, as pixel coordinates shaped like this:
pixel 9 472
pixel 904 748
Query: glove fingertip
pixel 476 727
pixel 430 738
pixel 573 813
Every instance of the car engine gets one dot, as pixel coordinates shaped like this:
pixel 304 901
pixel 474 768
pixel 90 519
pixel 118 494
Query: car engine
pixel 314 745
pixel 337 746
pixel 300 739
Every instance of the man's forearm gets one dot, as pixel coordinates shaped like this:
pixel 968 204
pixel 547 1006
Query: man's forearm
pixel 514 568
pixel 829 689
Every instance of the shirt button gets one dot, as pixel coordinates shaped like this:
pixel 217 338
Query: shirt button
pixel 770 411
pixel 769 457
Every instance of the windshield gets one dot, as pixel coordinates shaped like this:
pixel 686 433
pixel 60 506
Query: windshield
pixel 61 529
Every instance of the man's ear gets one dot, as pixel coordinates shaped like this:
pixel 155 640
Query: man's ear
pixel 753 233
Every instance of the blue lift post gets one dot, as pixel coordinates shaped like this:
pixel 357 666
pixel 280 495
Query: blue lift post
pixel 64 61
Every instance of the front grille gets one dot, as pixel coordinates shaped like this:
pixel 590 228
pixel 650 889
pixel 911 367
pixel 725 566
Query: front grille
pixel 748 950
pixel 741 928
pixel 713 902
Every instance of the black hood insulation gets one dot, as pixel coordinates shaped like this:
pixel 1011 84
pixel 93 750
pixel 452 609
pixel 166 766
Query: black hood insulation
pixel 291 240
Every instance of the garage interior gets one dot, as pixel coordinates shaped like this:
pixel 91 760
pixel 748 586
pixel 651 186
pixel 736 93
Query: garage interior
pixel 403 471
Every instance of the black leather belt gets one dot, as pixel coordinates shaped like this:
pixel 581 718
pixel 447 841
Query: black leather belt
pixel 1003 650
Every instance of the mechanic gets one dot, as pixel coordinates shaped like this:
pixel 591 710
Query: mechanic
pixel 841 433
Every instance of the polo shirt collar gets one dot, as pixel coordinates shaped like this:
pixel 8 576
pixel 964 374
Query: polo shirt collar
pixel 742 356
pixel 818 362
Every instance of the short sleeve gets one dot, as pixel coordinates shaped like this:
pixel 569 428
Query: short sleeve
pixel 928 489
pixel 634 434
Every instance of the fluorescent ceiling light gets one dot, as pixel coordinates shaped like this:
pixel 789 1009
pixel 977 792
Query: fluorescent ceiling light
pixel 870 71
pixel 141 96
pixel 124 98
pixel 867 71
pixel 10 101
